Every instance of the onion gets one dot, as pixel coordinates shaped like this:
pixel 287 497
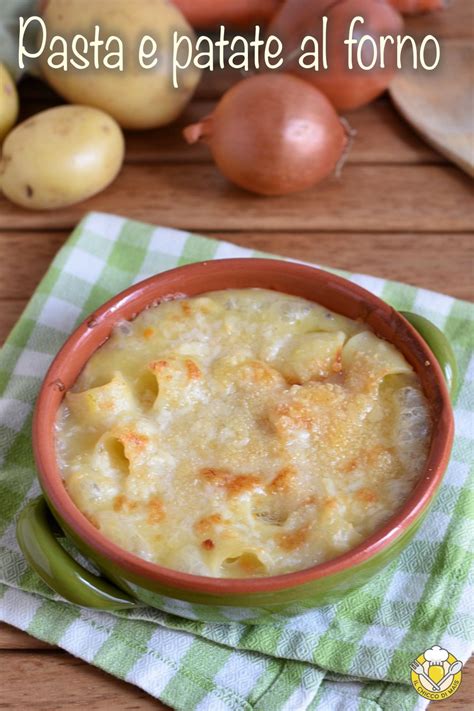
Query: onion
pixel 414 7
pixel 208 13
pixel 346 88
pixel 273 134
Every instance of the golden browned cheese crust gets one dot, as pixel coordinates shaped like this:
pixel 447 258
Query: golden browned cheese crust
pixel 242 433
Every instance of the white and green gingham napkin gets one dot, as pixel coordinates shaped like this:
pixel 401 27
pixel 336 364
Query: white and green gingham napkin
pixel 352 656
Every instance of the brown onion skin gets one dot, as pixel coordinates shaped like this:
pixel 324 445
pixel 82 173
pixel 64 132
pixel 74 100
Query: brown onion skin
pixel 235 13
pixel 346 88
pixel 273 134
pixel 416 7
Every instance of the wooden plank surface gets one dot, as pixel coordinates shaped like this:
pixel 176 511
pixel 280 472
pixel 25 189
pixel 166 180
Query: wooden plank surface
pixel 382 136
pixel 13 639
pixel 399 212
pixel 416 198
pixel 22 658
pixel 387 255
pixel 54 681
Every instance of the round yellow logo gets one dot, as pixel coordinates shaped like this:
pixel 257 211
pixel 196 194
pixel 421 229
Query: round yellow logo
pixel 436 674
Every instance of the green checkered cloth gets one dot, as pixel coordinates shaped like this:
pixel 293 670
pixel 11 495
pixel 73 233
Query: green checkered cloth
pixel 350 656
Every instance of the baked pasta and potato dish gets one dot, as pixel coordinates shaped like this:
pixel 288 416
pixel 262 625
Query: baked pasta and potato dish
pixel 242 433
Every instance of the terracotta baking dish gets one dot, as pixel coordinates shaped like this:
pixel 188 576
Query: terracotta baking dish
pixel 125 580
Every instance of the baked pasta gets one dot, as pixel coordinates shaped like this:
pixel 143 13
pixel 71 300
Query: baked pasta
pixel 242 433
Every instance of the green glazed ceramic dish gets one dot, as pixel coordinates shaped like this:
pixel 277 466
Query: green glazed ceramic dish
pixel 124 580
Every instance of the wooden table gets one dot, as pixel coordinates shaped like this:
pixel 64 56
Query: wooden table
pixel 399 211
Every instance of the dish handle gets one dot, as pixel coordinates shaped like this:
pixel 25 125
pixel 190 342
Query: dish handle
pixel 441 347
pixel 37 534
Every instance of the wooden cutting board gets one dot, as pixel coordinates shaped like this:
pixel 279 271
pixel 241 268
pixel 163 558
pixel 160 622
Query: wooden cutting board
pixel 439 104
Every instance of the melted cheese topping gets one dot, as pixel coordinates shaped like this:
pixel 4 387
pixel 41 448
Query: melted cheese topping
pixel 242 433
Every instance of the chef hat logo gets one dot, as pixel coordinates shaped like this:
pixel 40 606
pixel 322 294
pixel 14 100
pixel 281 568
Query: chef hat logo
pixel 436 654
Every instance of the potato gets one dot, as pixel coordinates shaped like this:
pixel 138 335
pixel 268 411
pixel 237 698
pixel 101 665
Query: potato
pixel 60 156
pixel 8 102
pixel 137 98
